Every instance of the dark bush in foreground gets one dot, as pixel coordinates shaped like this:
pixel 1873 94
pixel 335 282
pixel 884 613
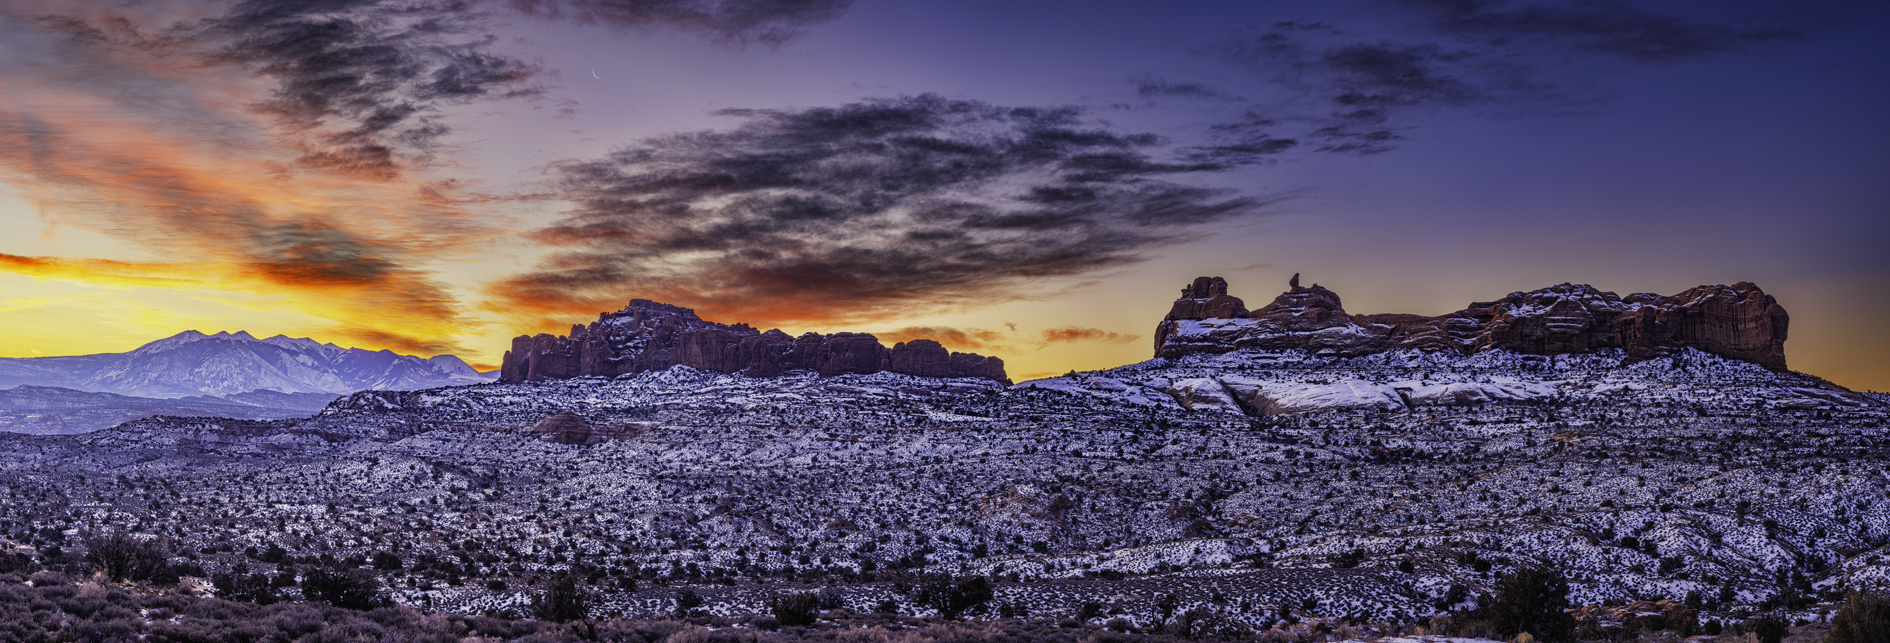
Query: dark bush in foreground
pixel 563 601
pixel 1865 618
pixel 953 598
pixel 1531 600
pixel 67 612
pixel 795 610
pixel 121 556
pixel 355 589
pixel 1765 628
pixel 252 588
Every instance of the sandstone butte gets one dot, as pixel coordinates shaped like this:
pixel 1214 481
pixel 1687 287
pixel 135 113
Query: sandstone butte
pixel 650 336
pixel 1738 321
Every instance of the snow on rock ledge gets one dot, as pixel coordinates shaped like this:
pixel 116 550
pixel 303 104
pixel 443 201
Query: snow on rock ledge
pixel 1287 398
pixel 1422 394
pixel 1203 394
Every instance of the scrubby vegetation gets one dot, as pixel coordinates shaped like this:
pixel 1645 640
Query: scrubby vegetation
pixel 1681 496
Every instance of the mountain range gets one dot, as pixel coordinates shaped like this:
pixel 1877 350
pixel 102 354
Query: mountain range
pixel 191 373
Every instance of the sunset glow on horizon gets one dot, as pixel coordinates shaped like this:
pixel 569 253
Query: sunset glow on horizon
pixel 1028 182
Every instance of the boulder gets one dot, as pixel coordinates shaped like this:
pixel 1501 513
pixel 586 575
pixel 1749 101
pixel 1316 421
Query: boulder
pixel 567 428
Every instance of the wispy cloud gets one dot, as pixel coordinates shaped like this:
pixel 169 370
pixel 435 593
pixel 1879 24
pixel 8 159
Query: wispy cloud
pixel 867 211
pixel 860 212
pixel 961 339
pixel 738 22
pixel 1079 334
pixel 1358 92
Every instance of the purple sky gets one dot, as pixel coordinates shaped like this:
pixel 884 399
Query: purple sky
pixel 825 166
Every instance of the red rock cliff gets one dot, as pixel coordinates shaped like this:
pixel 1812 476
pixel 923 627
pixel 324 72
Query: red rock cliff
pixel 650 336
pixel 1738 321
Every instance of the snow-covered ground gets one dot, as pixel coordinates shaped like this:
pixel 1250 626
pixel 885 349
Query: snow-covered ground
pixel 1391 485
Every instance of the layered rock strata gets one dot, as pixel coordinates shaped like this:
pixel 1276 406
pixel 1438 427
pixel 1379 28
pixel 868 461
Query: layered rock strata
pixel 1738 321
pixel 650 336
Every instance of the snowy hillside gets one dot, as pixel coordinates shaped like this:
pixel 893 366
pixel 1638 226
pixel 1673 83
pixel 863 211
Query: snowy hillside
pixel 192 363
pixel 1390 485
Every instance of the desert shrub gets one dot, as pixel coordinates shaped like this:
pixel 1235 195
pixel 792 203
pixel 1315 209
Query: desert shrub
pixel 1202 622
pixel 1530 600
pixel 17 564
pixel 115 629
pixel 297 620
pixel 386 561
pixel 795 610
pixel 121 556
pixel 563 601
pixel 355 589
pixel 251 588
pixel 953 598
pixel 274 554
pixel 1766 629
pixel 686 603
pixel 1865 618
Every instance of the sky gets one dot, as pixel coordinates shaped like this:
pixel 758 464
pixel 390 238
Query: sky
pixel 1032 180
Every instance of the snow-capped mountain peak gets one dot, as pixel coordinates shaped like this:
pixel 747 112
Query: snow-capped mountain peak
pixel 194 363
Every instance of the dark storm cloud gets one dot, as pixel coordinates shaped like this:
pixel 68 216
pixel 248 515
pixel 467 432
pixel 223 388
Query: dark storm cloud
pixel 869 210
pixel 1504 58
pixel 366 77
pixel 1630 31
pixel 769 22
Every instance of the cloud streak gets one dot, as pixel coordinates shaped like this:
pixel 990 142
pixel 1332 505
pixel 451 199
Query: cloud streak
pixel 959 339
pixel 736 22
pixel 1080 334
pixel 1357 94
pixel 867 211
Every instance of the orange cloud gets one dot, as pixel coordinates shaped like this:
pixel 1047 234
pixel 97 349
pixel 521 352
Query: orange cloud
pixel 1073 334
pixel 211 143
pixel 963 339
pixel 391 315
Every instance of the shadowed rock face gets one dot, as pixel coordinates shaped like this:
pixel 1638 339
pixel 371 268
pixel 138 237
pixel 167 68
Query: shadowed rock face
pixel 567 428
pixel 650 336
pixel 1738 321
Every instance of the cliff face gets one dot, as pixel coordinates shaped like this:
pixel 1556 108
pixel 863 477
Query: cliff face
pixel 1738 321
pixel 650 336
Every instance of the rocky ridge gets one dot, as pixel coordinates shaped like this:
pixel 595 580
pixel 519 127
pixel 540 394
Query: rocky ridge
pixel 649 336
pixel 1738 322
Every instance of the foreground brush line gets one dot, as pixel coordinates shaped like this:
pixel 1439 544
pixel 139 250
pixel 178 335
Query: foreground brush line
pixel 1531 606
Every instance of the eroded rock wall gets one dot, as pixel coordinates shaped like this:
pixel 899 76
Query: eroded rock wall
pixel 1738 321
pixel 650 336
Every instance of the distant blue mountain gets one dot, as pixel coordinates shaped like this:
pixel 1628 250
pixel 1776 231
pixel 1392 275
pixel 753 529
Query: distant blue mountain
pixel 227 364
pixel 46 410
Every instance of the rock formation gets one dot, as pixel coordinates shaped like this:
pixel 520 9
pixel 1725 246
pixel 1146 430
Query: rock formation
pixel 1207 299
pixel 650 336
pixel 567 428
pixel 1738 321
